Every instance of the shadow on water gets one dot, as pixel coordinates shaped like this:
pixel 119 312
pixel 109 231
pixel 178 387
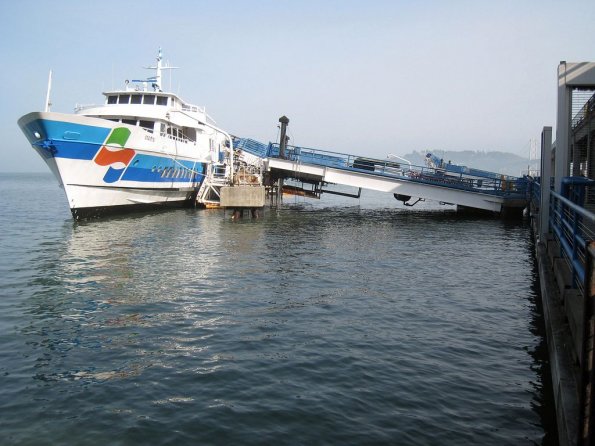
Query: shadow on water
pixel 543 403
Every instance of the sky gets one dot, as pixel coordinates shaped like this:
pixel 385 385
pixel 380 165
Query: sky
pixel 368 77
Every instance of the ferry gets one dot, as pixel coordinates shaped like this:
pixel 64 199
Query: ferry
pixel 143 148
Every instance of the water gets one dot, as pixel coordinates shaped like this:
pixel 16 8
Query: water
pixel 338 322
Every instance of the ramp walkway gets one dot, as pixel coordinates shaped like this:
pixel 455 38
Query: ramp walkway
pixel 445 183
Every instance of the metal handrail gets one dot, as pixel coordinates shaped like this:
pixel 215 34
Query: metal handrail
pixel 440 176
pixel 566 221
pixel 574 207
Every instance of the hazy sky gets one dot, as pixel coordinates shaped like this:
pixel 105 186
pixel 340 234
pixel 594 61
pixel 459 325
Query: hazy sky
pixel 364 77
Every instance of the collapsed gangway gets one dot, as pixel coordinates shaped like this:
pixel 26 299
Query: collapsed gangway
pixel 442 182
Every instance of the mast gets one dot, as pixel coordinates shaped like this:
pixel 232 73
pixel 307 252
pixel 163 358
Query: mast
pixel 157 83
pixel 156 80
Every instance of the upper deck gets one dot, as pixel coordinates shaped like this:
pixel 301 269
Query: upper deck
pixel 144 98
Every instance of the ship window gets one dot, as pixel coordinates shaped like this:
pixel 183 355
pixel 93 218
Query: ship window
pixel 136 99
pixel 161 100
pixel 113 119
pixel 124 99
pixel 149 99
pixel 190 133
pixel 129 121
pixel 147 125
pixel 112 99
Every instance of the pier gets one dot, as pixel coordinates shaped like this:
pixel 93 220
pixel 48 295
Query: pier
pixel 439 181
pixel 562 205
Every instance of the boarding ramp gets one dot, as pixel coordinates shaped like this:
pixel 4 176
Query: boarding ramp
pixel 445 183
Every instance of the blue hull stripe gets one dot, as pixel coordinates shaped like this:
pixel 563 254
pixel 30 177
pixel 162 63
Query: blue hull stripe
pixel 82 142
pixel 78 141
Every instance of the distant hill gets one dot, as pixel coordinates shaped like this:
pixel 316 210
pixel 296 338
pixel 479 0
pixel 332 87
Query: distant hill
pixel 500 162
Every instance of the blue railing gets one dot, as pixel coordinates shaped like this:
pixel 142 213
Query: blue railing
pixel 535 191
pixel 572 225
pixel 251 146
pixel 452 176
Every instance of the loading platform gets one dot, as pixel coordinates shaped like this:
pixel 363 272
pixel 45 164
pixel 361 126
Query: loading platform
pixel 438 181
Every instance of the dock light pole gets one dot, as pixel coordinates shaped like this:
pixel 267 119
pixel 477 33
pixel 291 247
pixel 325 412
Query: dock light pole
pixel 283 140
pixel 282 145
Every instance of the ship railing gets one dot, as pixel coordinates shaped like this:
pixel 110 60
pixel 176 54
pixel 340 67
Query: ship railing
pixel 81 107
pixel 448 175
pixel 193 108
pixel 177 138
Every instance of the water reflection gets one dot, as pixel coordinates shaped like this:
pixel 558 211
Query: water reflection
pixel 386 324
pixel 111 281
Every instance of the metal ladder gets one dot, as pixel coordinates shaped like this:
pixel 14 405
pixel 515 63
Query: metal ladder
pixel 217 177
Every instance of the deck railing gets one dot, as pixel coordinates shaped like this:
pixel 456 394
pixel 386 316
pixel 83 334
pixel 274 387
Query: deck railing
pixel 448 175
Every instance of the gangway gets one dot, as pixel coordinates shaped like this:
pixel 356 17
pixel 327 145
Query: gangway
pixel 445 183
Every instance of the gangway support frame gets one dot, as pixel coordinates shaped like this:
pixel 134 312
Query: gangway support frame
pixel 393 185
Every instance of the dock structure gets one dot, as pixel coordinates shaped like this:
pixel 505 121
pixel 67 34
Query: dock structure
pixel 443 183
pixel 439 181
pixel 563 220
pixel 251 163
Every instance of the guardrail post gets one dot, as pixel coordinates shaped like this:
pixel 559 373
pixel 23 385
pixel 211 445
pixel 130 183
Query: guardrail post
pixel 546 173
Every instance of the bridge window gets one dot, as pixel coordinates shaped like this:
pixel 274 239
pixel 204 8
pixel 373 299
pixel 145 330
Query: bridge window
pixel 161 100
pixel 147 125
pixel 124 99
pixel 112 99
pixel 149 99
pixel 136 99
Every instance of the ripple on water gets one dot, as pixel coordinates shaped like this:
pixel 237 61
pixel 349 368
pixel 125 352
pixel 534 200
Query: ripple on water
pixel 321 324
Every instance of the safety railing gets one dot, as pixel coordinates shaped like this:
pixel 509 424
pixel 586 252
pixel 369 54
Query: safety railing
pixel 452 176
pixel 535 192
pixel 573 227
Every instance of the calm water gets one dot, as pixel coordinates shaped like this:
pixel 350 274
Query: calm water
pixel 339 322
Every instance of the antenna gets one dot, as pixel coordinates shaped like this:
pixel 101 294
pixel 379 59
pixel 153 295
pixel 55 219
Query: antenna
pixel 156 80
pixel 48 104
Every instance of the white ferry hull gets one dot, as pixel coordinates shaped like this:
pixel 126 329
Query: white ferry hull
pixel 107 167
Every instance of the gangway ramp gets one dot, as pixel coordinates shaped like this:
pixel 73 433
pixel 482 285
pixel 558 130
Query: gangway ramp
pixel 445 183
